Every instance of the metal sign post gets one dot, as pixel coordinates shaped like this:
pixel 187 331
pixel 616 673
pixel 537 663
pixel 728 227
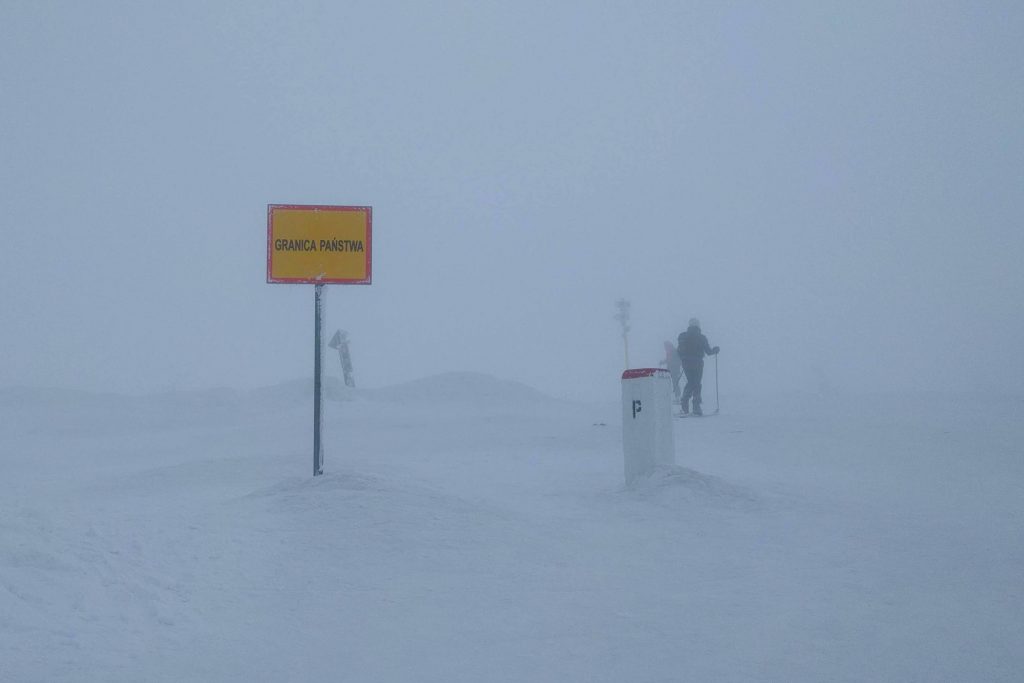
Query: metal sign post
pixel 623 317
pixel 318 458
pixel 318 245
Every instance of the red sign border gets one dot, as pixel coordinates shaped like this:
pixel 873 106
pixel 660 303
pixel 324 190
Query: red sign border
pixel 637 373
pixel 368 210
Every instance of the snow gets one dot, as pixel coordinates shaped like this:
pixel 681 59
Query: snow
pixel 471 529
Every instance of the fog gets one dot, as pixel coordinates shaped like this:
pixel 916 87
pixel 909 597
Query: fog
pixel 834 189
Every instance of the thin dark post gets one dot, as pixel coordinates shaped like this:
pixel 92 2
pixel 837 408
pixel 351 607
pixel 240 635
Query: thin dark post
pixel 718 405
pixel 317 457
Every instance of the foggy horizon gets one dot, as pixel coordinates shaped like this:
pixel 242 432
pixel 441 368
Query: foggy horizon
pixel 834 190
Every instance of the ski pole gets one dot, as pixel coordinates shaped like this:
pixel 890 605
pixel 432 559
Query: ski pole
pixel 717 405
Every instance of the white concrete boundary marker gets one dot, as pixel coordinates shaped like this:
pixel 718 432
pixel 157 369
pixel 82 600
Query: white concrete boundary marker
pixel 647 438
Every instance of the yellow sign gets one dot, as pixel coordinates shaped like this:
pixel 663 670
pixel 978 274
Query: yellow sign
pixel 319 244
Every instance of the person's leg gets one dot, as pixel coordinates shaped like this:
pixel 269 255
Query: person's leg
pixel 688 389
pixel 698 376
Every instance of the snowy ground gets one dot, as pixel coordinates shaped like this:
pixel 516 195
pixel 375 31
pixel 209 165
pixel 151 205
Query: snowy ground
pixel 469 530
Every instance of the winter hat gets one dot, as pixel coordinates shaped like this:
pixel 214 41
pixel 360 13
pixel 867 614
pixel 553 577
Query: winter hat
pixel 694 323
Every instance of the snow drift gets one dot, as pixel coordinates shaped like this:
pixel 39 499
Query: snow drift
pixel 179 537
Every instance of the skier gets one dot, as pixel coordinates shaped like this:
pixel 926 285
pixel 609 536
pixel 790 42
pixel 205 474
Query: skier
pixel 693 346
pixel 675 367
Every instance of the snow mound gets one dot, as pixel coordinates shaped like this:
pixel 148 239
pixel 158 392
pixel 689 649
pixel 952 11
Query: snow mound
pixel 460 387
pixel 299 486
pixel 472 388
pixel 681 484
pixel 301 391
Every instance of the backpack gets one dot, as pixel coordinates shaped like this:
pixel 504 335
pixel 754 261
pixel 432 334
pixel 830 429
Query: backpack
pixel 691 345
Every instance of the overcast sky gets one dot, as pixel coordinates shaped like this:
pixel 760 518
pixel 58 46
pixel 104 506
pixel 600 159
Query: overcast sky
pixel 835 189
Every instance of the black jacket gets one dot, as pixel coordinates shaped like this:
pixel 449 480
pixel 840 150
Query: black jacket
pixel 693 346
